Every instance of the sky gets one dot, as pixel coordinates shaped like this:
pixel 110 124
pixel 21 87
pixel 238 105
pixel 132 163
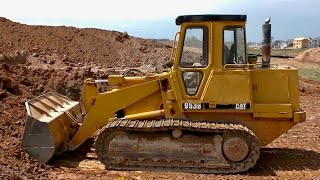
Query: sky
pixel 156 19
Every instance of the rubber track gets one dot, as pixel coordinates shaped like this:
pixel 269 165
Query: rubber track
pixel 169 124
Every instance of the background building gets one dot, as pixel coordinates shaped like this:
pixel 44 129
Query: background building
pixel 313 43
pixel 301 42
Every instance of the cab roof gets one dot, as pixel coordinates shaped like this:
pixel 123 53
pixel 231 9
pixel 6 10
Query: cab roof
pixel 209 17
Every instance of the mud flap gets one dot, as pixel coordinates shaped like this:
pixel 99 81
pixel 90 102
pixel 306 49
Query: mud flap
pixel 51 123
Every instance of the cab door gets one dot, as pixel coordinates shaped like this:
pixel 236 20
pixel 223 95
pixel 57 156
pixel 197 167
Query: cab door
pixel 193 64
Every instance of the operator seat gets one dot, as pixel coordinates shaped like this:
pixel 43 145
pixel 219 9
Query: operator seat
pixel 232 54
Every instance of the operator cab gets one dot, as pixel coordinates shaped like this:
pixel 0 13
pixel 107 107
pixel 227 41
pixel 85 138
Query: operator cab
pixel 208 42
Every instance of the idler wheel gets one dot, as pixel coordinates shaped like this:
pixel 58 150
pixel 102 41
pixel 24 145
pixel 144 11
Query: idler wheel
pixel 235 148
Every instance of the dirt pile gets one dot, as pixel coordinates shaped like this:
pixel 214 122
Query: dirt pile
pixel 310 55
pixel 14 91
pixel 39 59
pixel 309 87
pixel 71 46
pixel 17 85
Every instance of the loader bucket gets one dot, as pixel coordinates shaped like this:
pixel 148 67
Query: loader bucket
pixel 51 123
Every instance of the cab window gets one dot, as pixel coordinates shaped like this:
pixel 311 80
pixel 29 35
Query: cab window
pixel 234 45
pixel 195 47
pixel 192 80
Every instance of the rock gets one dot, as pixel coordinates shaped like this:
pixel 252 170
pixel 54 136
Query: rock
pixel 88 73
pixel 14 177
pixel 26 82
pixel 35 55
pixel 69 68
pixel 144 48
pixel 2 19
pixel 15 134
pixel 17 53
pixel 24 53
pixel 167 46
pixel 23 100
pixel 40 88
pixel 9 85
pixel 40 170
pixel 168 64
pixel 17 58
pixel 3 58
pixel 5 67
pixel 122 36
pixel 65 58
pixel 51 61
pixel 3 95
pixel 118 38
pixel 28 168
pixel 35 49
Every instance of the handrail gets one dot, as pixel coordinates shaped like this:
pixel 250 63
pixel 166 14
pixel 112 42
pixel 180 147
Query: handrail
pixel 235 66
pixel 173 51
pixel 276 65
pixel 246 66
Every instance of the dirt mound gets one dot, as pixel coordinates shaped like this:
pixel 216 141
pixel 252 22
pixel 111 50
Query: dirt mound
pixel 39 59
pixel 18 84
pixel 309 86
pixel 74 46
pixel 310 55
pixel 14 162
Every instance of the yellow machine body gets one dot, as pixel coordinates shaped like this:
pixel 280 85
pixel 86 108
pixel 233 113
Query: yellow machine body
pixel 265 100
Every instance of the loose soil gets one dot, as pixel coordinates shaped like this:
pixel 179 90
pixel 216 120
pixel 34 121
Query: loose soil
pixel 310 55
pixel 39 59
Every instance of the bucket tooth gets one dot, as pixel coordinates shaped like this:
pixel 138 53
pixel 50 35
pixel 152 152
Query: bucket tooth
pixel 51 123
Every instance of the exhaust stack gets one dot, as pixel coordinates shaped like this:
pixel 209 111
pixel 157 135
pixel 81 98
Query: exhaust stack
pixel 266 46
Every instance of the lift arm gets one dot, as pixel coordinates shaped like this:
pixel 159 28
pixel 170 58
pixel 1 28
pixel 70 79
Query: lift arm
pixel 106 105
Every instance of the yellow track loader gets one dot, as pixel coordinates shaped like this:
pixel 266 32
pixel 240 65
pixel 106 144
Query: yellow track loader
pixel 208 113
